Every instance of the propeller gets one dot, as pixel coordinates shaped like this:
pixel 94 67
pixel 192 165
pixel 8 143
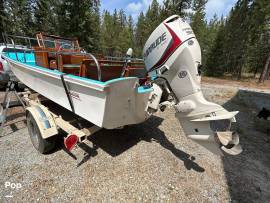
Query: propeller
pixel 230 142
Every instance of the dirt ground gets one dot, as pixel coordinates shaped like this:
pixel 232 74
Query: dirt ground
pixel 149 162
pixel 247 83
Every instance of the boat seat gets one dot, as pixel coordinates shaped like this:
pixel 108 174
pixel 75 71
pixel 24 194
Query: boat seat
pixel 70 64
pixel 41 57
pixel 108 72
pixel 111 70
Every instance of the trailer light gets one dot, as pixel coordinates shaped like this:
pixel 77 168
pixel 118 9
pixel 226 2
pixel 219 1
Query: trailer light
pixel 1 66
pixel 70 141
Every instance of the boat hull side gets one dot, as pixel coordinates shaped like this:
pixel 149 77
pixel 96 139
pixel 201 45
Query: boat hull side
pixel 109 105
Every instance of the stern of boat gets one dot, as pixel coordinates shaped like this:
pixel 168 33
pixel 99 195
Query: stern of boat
pixel 126 103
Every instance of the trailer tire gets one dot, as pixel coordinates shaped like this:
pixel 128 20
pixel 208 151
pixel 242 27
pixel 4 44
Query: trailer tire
pixel 42 145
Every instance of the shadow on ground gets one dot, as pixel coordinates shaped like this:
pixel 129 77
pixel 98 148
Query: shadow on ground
pixel 248 174
pixel 115 142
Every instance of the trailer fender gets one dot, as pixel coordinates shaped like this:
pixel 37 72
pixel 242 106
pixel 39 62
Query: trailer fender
pixel 44 120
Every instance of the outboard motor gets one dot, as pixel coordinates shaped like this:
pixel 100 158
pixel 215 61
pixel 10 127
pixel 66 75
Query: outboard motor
pixel 172 57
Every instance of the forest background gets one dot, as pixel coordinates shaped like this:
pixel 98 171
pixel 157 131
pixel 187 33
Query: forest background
pixel 235 45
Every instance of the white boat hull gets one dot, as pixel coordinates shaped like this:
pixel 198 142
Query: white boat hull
pixel 108 104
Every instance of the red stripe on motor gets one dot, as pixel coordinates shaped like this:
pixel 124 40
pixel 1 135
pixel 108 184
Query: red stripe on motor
pixel 173 47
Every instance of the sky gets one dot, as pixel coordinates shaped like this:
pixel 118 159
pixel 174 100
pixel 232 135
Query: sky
pixel 134 7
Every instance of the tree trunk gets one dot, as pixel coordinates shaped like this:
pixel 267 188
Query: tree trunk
pixel 263 75
pixel 239 75
pixel 268 73
pixel 256 71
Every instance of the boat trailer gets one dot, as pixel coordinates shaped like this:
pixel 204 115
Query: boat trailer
pixel 42 123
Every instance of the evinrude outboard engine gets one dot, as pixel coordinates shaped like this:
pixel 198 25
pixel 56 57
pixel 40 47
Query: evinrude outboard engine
pixel 172 57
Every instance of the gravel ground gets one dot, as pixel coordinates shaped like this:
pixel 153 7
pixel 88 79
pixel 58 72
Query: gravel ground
pixel 150 162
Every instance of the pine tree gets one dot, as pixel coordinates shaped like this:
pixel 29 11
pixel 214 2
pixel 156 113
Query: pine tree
pixel 210 36
pixel 116 30
pixel 235 45
pixel 2 18
pixel 152 17
pixel 107 34
pixel 259 48
pixel 94 23
pixel 199 25
pixel 140 34
pixel 176 7
pixel 80 19
pixel 212 29
pixel 146 25
pixel 130 34
pixel 122 18
pixel 238 28
pixel 130 25
pixel 19 17
pixel 126 36
pixel 215 60
pixel 45 18
pixel 230 55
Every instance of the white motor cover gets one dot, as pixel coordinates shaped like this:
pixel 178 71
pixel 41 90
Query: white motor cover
pixel 173 53
pixel 165 39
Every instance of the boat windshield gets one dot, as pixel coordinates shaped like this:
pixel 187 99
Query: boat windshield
pixel 56 42
pixel 50 42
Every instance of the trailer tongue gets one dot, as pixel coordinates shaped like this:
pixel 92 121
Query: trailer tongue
pixel 173 58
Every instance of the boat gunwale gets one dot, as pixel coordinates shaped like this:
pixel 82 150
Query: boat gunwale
pixel 95 84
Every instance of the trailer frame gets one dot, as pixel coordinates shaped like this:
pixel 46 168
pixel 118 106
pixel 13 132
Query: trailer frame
pixel 47 122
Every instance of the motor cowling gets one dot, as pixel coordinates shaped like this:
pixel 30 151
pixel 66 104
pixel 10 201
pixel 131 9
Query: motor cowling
pixel 172 53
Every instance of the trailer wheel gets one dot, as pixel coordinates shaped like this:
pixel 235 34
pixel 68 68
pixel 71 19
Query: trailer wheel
pixel 42 145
